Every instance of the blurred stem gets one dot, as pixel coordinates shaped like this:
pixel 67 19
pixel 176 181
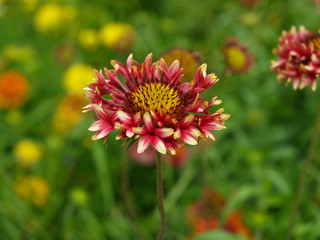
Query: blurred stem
pixel 160 198
pixel 307 161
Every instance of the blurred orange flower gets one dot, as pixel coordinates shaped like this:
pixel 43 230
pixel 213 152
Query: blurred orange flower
pixel 34 189
pixel 205 215
pixel 68 113
pixel 14 88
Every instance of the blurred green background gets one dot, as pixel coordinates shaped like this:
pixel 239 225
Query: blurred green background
pixel 55 183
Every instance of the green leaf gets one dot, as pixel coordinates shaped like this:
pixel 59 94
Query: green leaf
pixel 241 196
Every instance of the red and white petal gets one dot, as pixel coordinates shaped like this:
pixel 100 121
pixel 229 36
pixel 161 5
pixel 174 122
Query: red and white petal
pixel 139 131
pixel 124 117
pixel 163 132
pixel 187 121
pixel 137 119
pixel 208 134
pixel 97 125
pixel 158 144
pixel 195 132
pixel 129 133
pixel 144 143
pixel 189 139
pixel 177 133
pixel 148 122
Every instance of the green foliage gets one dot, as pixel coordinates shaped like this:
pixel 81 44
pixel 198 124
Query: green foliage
pixel 255 163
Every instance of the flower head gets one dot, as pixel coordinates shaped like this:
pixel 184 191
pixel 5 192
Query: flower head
pixel 117 36
pixel 34 189
pixel 237 57
pixel 14 88
pixel 27 152
pixel 152 105
pixel 189 61
pixel 299 53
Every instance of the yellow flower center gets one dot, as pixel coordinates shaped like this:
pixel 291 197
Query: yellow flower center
pixel 236 58
pixel 316 42
pixel 156 97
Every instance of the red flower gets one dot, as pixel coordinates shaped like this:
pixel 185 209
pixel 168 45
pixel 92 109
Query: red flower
pixel 206 215
pixel 299 58
pixel 152 105
pixel 237 57
pixel 235 224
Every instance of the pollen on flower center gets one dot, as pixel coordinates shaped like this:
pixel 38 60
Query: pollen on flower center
pixel 156 96
pixel 316 42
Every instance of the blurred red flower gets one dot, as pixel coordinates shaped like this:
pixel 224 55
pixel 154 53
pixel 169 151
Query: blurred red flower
pixel 299 53
pixel 14 88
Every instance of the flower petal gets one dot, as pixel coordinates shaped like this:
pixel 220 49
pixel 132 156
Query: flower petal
pixel 139 130
pixel 124 117
pixel 188 139
pixel 148 122
pixel 158 144
pixel 97 125
pixel 177 134
pixel 163 132
pixel 144 143
pixel 187 121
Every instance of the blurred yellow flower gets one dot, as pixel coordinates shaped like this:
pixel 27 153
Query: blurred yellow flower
pixel 88 39
pixel 189 61
pixel 34 189
pixel 76 78
pixel 27 152
pixel 18 53
pixel 68 113
pixel 117 36
pixel 79 196
pixel 14 88
pixel 52 16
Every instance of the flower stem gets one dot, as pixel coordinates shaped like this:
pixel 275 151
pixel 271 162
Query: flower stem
pixel 306 165
pixel 160 198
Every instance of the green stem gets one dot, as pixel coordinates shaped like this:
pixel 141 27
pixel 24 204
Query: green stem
pixel 160 198
pixel 312 148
